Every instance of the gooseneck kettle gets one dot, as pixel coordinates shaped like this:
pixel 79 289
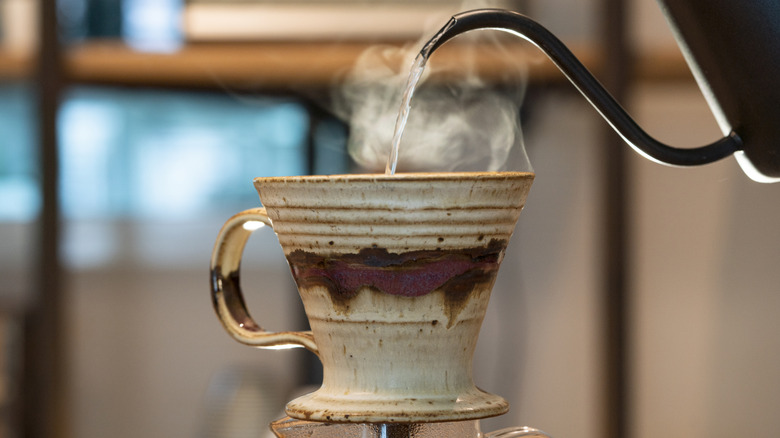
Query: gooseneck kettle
pixel 733 51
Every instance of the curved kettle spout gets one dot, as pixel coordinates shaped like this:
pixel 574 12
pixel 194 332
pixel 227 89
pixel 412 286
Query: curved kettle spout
pixel 588 85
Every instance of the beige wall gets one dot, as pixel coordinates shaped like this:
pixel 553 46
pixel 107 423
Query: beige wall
pixel 705 283
pixel 707 287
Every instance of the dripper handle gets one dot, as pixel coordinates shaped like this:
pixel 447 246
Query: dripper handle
pixel 226 289
pixel 516 432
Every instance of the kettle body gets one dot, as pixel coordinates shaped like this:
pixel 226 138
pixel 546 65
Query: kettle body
pixel 733 50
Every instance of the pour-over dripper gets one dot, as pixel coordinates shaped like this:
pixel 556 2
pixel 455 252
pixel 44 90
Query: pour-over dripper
pixel 744 95
pixel 395 274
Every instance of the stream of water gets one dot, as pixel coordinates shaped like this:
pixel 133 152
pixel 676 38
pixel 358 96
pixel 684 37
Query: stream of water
pixel 406 102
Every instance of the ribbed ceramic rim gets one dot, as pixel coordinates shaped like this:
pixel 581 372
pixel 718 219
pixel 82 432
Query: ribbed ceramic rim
pixel 422 176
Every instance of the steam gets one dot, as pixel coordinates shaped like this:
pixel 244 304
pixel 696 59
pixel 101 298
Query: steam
pixel 459 124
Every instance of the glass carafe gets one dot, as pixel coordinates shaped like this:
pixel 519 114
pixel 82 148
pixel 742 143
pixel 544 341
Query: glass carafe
pixel 291 428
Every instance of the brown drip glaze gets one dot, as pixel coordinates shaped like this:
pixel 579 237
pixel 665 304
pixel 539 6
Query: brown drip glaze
pixel 410 274
pixel 457 291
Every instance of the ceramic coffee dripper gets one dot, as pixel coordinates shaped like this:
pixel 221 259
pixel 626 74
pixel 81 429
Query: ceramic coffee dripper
pixel 395 273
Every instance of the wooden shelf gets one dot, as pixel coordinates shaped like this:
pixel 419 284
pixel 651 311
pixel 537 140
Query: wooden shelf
pixel 15 65
pixel 280 65
pixel 277 65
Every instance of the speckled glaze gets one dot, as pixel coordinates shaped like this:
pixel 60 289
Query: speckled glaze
pixel 395 274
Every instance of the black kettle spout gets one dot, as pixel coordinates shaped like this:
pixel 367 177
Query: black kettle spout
pixel 605 104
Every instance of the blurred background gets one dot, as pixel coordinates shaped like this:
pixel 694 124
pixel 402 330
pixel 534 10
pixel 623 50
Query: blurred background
pixel 635 300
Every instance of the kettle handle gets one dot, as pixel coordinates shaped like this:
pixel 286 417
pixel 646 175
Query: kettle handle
pixel 226 289
pixel 516 432
pixel 586 83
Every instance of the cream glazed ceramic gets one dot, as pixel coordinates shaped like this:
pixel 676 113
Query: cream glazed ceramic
pixel 395 274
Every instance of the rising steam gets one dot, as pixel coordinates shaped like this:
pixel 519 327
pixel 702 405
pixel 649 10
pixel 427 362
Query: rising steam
pixel 461 124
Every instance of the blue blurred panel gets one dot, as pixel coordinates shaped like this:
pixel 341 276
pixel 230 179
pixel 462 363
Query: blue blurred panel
pixel 152 25
pixel 171 155
pixel 19 197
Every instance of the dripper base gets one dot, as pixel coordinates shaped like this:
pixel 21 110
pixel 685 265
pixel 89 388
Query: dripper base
pixel 321 406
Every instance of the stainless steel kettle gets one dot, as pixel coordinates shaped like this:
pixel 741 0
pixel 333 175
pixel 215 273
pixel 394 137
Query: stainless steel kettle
pixel 733 50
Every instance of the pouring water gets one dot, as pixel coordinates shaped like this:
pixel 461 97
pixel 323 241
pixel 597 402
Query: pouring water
pixel 403 113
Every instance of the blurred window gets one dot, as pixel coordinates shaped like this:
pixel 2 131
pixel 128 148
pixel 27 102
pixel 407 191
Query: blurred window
pixel 169 155
pixel 19 197
pixel 148 176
